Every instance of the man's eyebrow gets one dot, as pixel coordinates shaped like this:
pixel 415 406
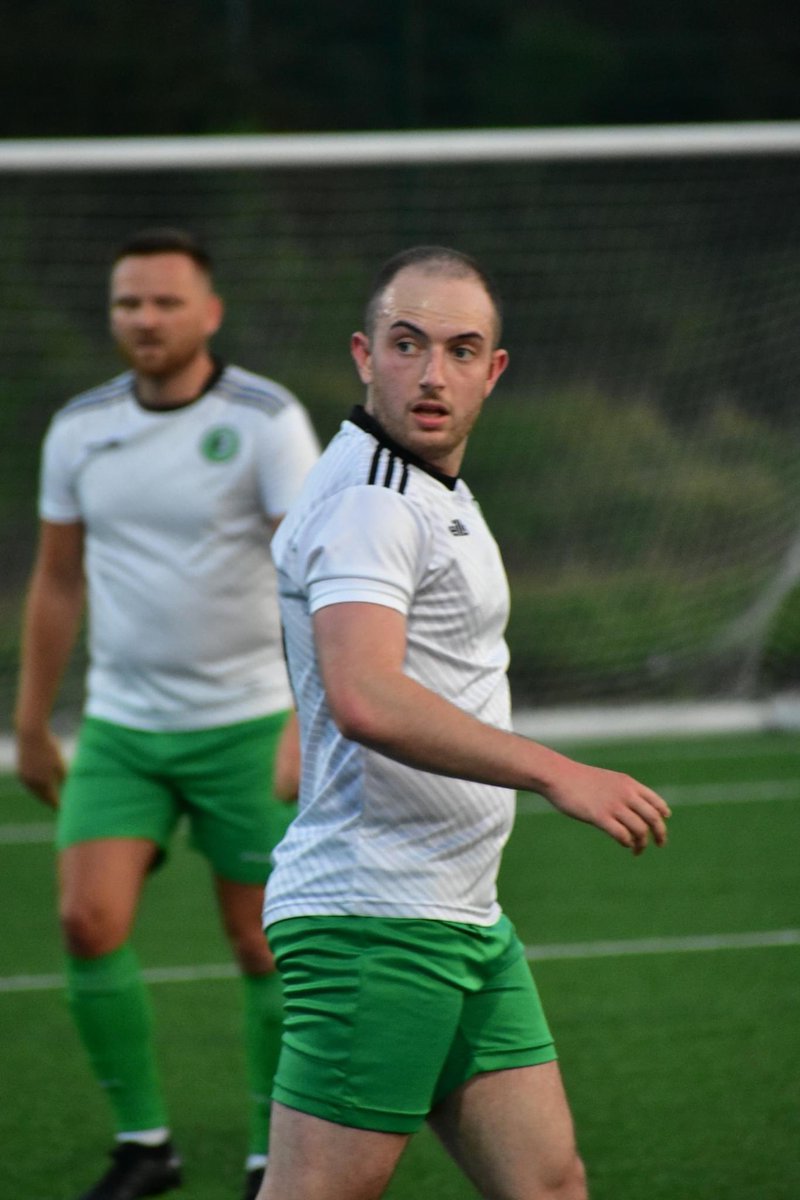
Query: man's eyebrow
pixel 470 335
pixel 159 297
pixel 400 324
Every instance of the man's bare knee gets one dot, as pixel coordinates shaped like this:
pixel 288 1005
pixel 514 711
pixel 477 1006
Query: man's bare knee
pixel 89 930
pixel 99 883
pixel 570 1184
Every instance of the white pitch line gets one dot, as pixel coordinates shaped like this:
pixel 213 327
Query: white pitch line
pixel 553 951
pixel 743 792
pixel 193 974
pixel 688 794
pixel 33 833
pixel 665 945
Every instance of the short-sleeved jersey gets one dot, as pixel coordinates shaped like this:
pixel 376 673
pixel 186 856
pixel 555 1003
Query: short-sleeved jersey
pixel 375 837
pixel 184 631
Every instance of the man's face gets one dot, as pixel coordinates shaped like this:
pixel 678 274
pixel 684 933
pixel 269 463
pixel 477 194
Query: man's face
pixel 430 362
pixel 162 312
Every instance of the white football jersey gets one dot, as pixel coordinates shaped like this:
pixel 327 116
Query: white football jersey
pixel 184 631
pixel 374 837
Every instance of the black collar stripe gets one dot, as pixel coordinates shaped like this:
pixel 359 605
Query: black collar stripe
pixel 364 420
pixel 373 471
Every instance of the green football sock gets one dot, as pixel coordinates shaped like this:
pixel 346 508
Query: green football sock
pixel 263 1012
pixel 111 1009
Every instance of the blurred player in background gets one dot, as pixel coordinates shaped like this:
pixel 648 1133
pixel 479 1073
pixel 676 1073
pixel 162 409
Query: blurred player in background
pixel 162 489
pixel 408 996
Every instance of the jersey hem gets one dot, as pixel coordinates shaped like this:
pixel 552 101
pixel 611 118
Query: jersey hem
pixel 190 720
pixel 275 912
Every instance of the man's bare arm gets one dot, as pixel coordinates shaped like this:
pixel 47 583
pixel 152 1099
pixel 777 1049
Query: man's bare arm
pixel 52 618
pixel 361 649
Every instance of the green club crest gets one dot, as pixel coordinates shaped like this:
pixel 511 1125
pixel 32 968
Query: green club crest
pixel 220 444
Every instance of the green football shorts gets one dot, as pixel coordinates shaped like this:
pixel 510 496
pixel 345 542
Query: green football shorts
pixel 384 1017
pixel 135 783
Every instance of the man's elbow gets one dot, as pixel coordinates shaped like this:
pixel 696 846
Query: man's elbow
pixel 354 718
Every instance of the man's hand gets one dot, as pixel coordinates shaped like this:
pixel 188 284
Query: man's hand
pixel 625 809
pixel 40 765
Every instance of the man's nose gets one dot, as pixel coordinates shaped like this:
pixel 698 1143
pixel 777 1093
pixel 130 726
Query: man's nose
pixel 433 372
pixel 146 314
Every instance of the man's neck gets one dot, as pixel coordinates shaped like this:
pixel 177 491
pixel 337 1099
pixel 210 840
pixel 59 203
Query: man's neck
pixel 183 387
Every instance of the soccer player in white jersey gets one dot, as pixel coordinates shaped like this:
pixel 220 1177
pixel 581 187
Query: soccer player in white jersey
pixel 407 994
pixel 162 488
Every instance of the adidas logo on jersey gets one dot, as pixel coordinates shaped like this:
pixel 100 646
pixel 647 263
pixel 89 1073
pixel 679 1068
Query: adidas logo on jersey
pixel 458 528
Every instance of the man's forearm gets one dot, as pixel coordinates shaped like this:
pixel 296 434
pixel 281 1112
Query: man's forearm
pixel 406 721
pixel 52 621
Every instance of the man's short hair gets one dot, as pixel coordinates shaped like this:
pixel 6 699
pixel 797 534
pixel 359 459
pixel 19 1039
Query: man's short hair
pixel 438 260
pixel 166 240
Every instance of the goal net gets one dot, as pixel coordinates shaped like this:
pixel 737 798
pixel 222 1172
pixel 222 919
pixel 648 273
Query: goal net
pixel 639 462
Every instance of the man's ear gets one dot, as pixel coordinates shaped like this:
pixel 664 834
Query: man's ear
pixel 214 314
pixel 362 356
pixel 498 365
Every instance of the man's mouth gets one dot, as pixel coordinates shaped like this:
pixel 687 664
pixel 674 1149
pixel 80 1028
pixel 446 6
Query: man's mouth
pixel 429 413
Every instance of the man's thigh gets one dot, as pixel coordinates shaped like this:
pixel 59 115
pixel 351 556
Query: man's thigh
pixel 313 1159
pixel 100 881
pixel 511 1132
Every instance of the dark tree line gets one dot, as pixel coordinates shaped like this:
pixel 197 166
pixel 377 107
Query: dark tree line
pixel 110 67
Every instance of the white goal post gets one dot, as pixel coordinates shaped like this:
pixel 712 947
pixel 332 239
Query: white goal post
pixel 640 461
pixel 394 148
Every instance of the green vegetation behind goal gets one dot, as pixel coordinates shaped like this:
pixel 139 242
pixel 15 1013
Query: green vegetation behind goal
pixel 639 461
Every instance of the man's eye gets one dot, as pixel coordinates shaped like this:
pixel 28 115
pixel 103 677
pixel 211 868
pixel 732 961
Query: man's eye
pixel 464 352
pixel 406 346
